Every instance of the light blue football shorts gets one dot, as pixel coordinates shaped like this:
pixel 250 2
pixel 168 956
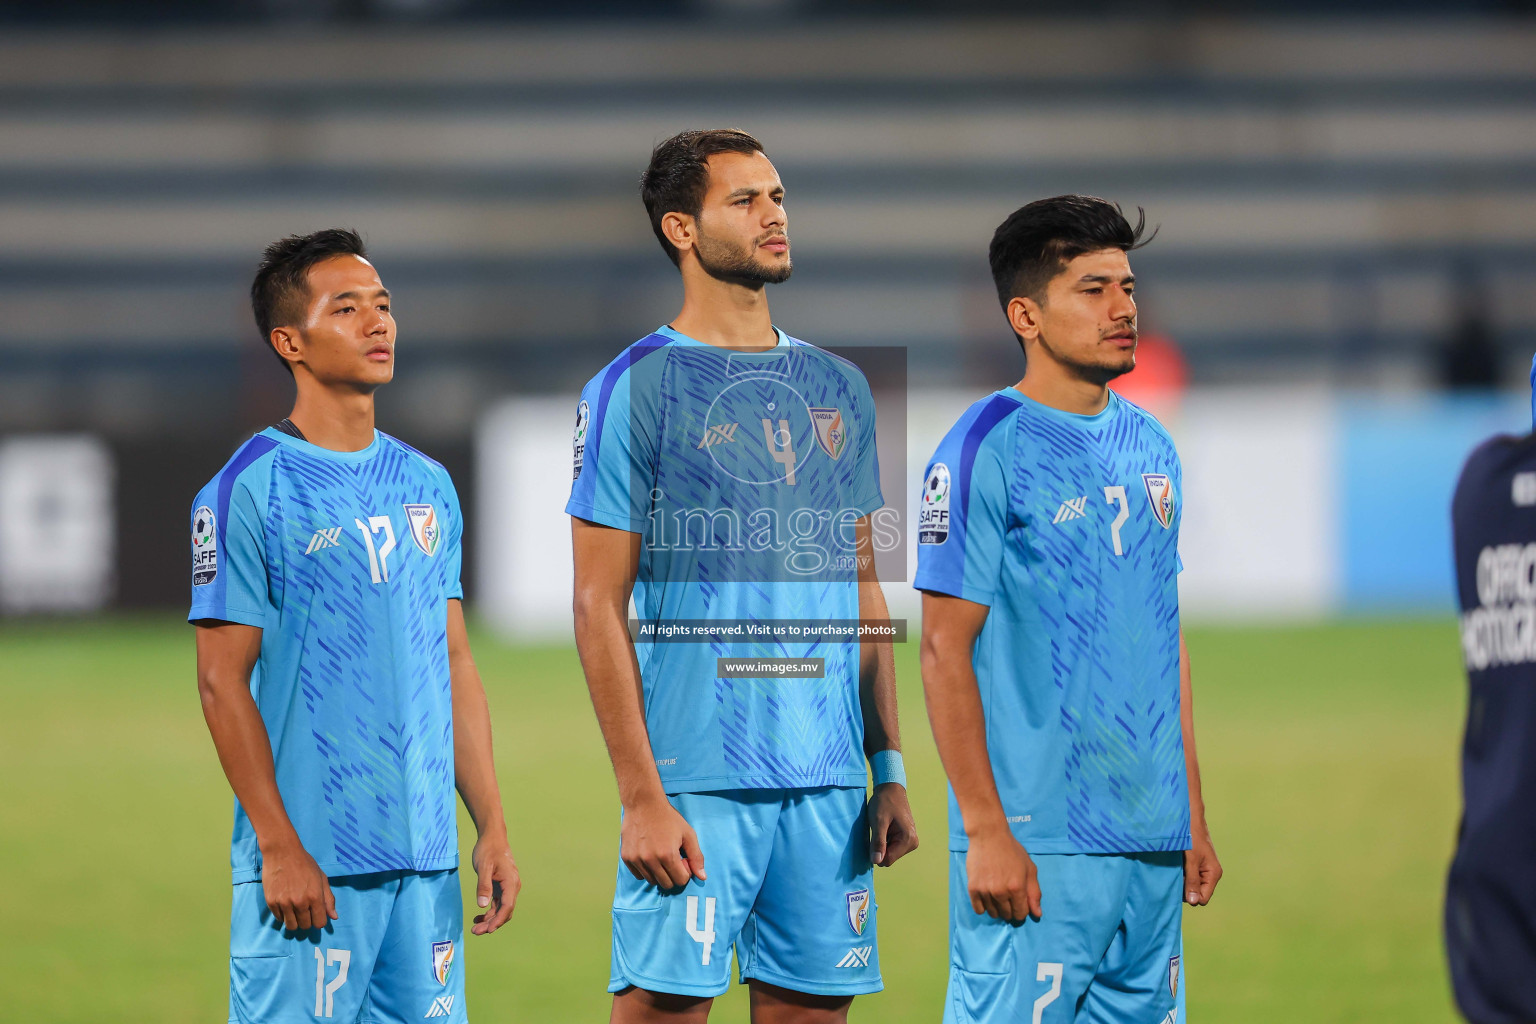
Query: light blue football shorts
pixel 392 955
pixel 790 886
pixel 1108 948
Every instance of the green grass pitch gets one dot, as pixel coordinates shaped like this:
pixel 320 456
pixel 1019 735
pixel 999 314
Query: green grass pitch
pixel 1329 754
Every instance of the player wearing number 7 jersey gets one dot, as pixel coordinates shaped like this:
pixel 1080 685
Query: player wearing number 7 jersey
pixel 1054 666
pixel 337 681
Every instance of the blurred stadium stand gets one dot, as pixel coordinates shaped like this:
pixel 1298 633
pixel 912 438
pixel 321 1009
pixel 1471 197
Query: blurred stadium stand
pixel 1323 190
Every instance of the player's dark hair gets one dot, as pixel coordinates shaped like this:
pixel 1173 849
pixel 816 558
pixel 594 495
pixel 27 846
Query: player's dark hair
pixel 1037 241
pixel 678 175
pixel 281 288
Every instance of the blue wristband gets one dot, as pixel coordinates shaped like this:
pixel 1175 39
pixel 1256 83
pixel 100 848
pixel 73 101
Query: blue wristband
pixel 887 767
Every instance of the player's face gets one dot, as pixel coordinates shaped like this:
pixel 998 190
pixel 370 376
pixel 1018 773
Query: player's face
pixel 348 333
pixel 740 234
pixel 1087 323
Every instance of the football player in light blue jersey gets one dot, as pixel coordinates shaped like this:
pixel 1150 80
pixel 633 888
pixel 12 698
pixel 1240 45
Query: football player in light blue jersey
pixel 1055 670
pixel 337 680
pixel 726 478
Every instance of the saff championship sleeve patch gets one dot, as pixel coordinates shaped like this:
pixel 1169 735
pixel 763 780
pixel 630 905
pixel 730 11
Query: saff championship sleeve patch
pixel 933 511
pixel 579 438
pixel 205 547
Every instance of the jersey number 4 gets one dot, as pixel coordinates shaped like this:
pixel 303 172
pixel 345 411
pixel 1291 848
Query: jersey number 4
pixel 781 445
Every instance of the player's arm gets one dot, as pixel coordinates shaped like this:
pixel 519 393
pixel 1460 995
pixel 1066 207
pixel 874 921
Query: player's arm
pixel 1202 870
pixel 1002 877
pixel 892 832
pixel 295 888
pixel 656 844
pixel 474 767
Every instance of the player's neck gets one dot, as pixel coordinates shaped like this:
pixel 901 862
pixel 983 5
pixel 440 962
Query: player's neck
pixel 725 315
pixel 339 420
pixel 1052 386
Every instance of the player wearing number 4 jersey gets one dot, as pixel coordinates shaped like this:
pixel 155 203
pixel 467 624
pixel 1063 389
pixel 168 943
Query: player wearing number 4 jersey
pixel 337 681
pixel 1055 670
pixel 727 472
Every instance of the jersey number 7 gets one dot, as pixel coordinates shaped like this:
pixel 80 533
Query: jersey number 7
pixel 1116 496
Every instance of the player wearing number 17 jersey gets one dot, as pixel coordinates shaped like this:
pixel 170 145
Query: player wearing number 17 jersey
pixel 1057 681
pixel 336 678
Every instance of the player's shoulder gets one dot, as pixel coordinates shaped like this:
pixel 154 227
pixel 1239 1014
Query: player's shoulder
pixel 838 364
pixel 980 425
pixel 415 456
pixel 1144 419
pixel 1497 457
pixel 249 468
pixel 601 385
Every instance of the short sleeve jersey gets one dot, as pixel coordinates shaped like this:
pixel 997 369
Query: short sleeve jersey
pixel 743 473
pixel 346 560
pixel 1066 527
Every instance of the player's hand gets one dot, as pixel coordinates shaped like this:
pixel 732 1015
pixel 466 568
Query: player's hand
pixel 1201 870
pixel 1003 882
pixel 296 890
pixel 659 846
pixel 499 882
pixel 892 832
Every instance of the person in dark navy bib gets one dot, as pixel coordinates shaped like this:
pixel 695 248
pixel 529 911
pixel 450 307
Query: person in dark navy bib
pixel 1490 902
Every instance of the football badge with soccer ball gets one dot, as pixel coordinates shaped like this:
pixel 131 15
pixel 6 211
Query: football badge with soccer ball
pixel 442 960
pixel 830 433
pixel 858 909
pixel 933 516
pixel 425 528
pixel 1160 495
pixel 205 550
pixel 579 438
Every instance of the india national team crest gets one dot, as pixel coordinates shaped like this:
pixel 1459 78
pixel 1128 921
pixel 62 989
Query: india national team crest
pixel 442 960
pixel 426 528
pixel 830 432
pixel 1173 976
pixel 205 547
pixel 858 910
pixel 1160 494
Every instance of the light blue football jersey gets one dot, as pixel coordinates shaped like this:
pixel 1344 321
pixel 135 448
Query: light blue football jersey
pixel 346 560
pixel 1067 528
pixel 744 474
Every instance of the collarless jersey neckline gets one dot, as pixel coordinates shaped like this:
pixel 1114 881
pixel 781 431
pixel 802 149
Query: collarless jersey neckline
pixel 1105 414
pixel 678 337
pixel 312 449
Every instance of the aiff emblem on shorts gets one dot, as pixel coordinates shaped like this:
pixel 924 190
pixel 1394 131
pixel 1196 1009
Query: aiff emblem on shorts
pixel 442 960
pixel 858 910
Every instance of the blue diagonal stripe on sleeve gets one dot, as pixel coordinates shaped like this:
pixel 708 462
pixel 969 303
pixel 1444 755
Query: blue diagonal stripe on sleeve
pixel 632 355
